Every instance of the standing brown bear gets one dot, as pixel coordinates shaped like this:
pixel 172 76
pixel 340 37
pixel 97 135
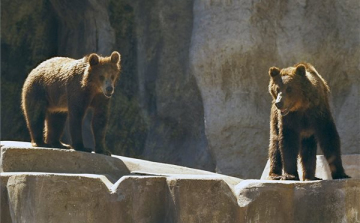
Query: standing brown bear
pixel 300 118
pixel 61 87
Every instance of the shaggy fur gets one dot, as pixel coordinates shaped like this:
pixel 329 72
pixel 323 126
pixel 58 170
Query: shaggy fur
pixel 63 87
pixel 300 119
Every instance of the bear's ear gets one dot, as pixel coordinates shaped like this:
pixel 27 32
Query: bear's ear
pixel 115 57
pixel 274 71
pixel 300 70
pixel 94 59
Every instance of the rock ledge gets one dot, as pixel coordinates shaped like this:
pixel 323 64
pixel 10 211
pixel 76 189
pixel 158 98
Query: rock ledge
pixel 53 185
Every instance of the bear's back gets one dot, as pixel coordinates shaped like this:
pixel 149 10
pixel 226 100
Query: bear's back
pixel 58 69
pixel 53 78
pixel 317 80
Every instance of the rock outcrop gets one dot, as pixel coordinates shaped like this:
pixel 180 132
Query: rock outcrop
pixel 194 79
pixel 53 185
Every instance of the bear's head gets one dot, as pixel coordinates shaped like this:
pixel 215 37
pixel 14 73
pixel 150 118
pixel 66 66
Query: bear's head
pixel 102 73
pixel 287 88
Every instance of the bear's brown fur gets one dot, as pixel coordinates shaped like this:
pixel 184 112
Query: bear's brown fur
pixel 301 118
pixel 61 87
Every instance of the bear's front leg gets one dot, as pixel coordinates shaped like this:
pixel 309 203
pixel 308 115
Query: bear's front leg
pixel 275 172
pixel 99 123
pixel 289 147
pixel 76 116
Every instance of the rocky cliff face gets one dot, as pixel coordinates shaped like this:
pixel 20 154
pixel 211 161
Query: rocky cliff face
pixel 168 93
pixel 233 45
pixel 194 79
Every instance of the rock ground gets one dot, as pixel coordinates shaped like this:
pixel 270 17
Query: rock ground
pixel 82 187
pixel 193 89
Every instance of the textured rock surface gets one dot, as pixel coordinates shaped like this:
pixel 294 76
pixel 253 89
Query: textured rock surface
pixel 168 93
pixel 22 157
pixel 19 158
pixel 233 45
pixel 168 193
pixel 79 198
pixel 352 165
pixel 282 202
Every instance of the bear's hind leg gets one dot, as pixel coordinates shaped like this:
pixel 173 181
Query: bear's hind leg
pixel 54 128
pixel 34 111
pixel 308 158
pixel 329 141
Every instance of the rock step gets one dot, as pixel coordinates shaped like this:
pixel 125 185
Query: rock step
pixel 96 188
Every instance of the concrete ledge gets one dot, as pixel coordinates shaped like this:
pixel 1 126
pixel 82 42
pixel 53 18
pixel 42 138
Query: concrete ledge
pixel 162 193
pixel 41 197
pixel 22 157
pixel 294 201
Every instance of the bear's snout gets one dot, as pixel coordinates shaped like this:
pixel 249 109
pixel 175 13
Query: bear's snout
pixel 109 89
pixel 279 102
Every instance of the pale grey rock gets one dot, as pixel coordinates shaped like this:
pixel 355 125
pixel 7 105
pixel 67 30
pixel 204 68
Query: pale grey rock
pixel 44 197
pixel 167 193
pixel 294 201
pixel 351 165
pixel 51 160
pixel 21 157
pixel 168 94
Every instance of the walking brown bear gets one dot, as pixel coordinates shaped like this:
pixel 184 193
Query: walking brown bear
pixel 61 87
pixel 300 118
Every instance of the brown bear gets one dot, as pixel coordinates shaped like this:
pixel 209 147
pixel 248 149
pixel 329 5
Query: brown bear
pixel 62 87
pixel 300 118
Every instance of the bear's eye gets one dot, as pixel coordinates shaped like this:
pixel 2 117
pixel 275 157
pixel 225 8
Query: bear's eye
pixel 102 77
pixel 288 90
